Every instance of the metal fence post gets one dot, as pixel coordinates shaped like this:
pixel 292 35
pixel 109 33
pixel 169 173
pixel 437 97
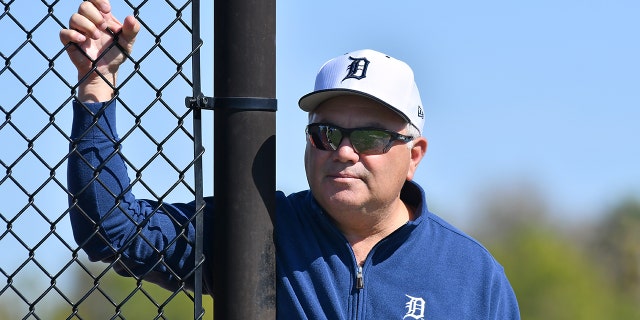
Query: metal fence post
pixel 196 44
pixel 244 159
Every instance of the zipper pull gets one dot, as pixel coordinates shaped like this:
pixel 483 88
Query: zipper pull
pixel 359 279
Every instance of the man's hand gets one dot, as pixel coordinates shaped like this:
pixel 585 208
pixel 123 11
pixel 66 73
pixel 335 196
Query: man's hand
pixel 89 28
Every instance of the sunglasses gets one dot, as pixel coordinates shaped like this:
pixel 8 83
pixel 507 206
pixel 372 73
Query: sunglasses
pixel 370 141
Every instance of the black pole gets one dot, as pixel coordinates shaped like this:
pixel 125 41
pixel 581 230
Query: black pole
pixel 244 159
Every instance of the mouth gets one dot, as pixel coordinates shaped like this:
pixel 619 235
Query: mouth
pixel 343 176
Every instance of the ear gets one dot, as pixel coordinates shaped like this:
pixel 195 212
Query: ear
pixel 417 153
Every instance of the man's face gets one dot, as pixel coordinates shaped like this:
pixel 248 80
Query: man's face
pixel 346 181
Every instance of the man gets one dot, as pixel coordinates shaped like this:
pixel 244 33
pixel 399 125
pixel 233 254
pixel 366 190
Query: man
pixel 359 244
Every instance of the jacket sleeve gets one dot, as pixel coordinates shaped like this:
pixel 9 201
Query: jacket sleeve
pixel 503 302
pixel 140 238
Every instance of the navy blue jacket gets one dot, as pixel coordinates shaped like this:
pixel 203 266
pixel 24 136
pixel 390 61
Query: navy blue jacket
pixel 427 269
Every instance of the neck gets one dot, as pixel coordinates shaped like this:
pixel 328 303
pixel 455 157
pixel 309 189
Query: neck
pixel 364 229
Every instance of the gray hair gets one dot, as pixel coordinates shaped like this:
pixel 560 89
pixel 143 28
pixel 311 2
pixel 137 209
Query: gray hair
pixel 413 132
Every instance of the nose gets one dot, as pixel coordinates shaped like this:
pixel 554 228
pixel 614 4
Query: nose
pixel 346 152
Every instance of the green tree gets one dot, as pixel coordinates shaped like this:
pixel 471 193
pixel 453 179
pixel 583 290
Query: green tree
pixel 552 273
pixel 618 246
pixel 117 297
pixel 554 279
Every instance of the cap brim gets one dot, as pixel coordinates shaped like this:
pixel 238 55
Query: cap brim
pixel 312 100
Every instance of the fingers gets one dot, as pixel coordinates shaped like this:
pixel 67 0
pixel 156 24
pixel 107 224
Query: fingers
pixel 130 29
pixel 92 19
pixel 82 25
pixel 102 5
pixel 89 20
pixel 127 31
pixel 68 35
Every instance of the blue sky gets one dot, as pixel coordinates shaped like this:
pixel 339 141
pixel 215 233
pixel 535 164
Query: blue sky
pixel 544 92
pixel 541 93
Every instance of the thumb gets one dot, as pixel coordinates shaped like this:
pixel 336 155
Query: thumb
pixel 130 29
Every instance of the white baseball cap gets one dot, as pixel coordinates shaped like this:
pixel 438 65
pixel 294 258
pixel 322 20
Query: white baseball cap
pixel 373 75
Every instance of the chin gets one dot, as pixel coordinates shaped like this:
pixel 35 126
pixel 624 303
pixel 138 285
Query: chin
pixel 345 200
pixel 340 193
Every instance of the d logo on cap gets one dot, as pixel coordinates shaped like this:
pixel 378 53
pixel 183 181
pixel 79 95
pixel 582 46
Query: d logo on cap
pixel 357 69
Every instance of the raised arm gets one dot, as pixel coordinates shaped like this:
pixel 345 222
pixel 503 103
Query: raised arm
pixel 142 238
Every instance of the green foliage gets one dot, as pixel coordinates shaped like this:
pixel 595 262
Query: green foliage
pixel 118 297
pixel 561 274
pixel 553 279
pixel 617 245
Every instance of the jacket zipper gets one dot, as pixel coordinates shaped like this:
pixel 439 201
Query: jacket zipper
pixel 359 279
pixel 359 288
pixel 360 276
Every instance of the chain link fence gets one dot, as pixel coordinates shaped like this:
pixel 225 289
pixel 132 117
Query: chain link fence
pixel 43 273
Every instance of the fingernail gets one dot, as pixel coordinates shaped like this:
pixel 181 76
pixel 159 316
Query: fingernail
pixel 105 7
pixel 97 34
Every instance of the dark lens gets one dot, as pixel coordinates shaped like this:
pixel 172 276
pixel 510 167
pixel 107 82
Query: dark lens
pixel 370 141
pixel 319 136
pixel 334 136
pixel 363 140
